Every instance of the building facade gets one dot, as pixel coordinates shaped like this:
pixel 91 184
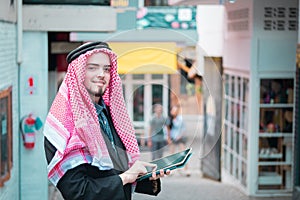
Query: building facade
pixel 259 79
pixel 9 103
pixel 34 46
pixel 32 64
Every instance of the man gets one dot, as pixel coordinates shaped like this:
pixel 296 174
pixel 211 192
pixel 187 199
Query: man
pixel 90 143
pixel 157 132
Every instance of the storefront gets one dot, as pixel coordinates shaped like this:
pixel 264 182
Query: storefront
pixel 259 128
pixel 141 92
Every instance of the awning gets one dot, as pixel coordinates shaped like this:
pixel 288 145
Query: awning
pixel 146 57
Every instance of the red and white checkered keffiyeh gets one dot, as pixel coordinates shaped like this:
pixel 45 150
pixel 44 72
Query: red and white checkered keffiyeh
pixel 72 124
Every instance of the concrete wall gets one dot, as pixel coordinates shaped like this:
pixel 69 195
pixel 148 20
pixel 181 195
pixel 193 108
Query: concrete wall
pixel 33 172
pixel 68 18
pixel 237 35
pixel 252 44
pixel 211 37
pixel 8 10
pixel 274 46
pixel 9 77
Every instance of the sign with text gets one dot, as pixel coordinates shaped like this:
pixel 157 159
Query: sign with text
pixel 167 17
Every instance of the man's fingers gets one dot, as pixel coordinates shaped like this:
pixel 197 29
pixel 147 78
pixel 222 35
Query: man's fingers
pixel 162 173
pixel 147 164
pixel 168 172
pixel 153 174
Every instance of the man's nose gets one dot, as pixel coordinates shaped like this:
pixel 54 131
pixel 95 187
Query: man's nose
pixel 100 71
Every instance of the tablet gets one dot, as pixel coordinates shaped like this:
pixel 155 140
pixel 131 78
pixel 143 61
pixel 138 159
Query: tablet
pixel 171 162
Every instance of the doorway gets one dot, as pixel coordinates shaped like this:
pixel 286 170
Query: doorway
pixel 141 92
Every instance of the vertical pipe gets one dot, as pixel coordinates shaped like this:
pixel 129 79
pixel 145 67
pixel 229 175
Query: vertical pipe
pixel 19 61
pixel 19 31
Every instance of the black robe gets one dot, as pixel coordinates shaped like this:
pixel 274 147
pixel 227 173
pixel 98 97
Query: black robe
pixel 87 182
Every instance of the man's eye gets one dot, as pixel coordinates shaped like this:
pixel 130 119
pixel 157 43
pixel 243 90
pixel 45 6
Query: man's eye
pixel 106 69
pixel 91 68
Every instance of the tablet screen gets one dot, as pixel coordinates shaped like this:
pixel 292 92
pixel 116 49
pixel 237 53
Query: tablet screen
pixel 169 162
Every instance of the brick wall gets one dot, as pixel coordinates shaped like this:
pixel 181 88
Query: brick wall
pixel 9 77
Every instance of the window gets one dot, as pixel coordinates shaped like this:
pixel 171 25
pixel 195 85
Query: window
pixel 276 130
pixel 156 2
pixel 235 143
pixel 5 134
pixel 157 94
pixel 138 103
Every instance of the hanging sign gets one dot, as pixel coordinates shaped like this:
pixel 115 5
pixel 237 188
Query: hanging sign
pixel 183 18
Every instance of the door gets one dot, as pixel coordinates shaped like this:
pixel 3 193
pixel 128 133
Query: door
pixel 211 140
pixel 142 91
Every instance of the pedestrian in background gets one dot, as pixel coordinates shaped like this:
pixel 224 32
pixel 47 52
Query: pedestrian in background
pixel 157 132
pixel 176 133
pixel 90 143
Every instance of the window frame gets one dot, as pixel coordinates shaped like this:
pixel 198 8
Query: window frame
pixel 7 93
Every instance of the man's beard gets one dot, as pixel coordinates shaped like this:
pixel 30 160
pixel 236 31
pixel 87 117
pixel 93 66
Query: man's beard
pixel 96 93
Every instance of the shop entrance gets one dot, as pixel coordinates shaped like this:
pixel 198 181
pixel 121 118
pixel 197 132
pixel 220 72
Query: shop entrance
pixel 141 92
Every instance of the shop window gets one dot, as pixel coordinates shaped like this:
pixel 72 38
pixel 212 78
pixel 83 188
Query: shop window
pixel 138 76
pixel 157 76
pixel 5 134
pixel 156 2
pixel 138 103
pixel 157 94
pixel 235 143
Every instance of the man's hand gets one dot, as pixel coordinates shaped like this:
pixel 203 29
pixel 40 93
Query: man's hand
pixel 161 174
pixel 138 168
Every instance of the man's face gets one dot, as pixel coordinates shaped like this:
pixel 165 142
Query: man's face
pixel 174 111
pixel 97 75
pixel 158 109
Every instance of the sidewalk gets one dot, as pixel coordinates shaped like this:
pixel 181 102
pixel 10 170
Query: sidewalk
pixel 197 188
pixel 178 186
pixel 194 187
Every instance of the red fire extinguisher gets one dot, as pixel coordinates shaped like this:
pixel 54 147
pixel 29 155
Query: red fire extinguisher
pixel 29 126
